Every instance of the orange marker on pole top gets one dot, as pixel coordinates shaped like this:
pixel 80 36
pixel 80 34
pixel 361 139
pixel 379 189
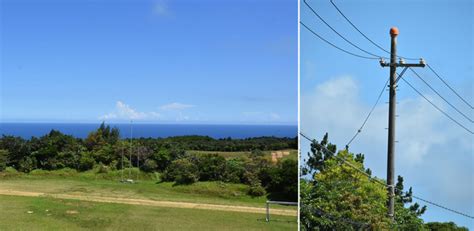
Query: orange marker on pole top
pixel 393 31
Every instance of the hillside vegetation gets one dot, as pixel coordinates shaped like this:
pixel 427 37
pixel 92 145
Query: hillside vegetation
pixel 160 159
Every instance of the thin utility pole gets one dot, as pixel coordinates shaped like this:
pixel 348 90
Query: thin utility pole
pixel 130 154
pixel 138 163
pixel 391 115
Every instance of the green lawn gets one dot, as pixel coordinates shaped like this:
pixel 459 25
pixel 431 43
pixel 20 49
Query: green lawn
pixel 200 192
pixel 58 214
pixel 63 182
pixel 293 154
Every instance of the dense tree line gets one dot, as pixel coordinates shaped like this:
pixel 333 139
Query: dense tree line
pixel 103 148
pixel 335 196
pixel 206 143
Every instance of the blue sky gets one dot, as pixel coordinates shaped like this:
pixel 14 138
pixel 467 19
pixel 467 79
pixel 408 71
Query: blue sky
pixel 182 61
pixel 434 155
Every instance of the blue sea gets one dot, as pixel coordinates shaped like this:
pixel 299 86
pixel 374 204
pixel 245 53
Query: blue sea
pixel 81 130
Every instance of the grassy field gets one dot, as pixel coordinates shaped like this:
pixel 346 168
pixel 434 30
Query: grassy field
pixel 58 214
pixel 293 154
pixel 200 192
pixel 97 215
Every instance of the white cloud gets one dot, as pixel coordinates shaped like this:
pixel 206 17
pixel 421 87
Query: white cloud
pixel 124 111
pixel 176 106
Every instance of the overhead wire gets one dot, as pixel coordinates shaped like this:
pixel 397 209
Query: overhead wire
pixel 427 84
pixel 380 47
pixel 439 77
pixel 365 36
pixel 339 34
pixel 368 115
pixel 323 39
pixel 437 108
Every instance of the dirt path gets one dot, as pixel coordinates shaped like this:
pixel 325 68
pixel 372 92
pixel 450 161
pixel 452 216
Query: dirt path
pixel 170 204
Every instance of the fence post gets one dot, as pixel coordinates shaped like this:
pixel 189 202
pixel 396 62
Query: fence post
pixel 268 212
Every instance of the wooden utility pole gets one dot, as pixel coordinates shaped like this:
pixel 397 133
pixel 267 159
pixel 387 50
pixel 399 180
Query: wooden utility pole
pixel 391 115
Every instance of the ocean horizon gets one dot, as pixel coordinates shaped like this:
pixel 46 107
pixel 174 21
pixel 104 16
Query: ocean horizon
pixel 150 130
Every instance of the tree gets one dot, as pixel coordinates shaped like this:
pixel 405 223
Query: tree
pixel 27 164
pixel 211 167
pixel 407 218
pixel 3 159
pixel 163 158
pixel 149 165
pixel 336 196
pixel 182 171
pixel 86 161
pixel 284 181
pixel 17 148
pixel 444 226
pixel 319 153
pixel 234 170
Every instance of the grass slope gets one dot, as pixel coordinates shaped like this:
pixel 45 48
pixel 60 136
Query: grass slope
pixel 293 154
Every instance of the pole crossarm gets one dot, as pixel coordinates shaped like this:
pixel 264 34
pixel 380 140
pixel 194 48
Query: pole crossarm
pixel 402 64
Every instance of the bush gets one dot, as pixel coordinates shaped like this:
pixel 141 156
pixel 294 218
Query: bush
pixel 211 167
pixel 100 168
pixel 39 172
pixel 149 165
pixel 181 171
pixel 27 164
pixel 10 170
pixel 234 171
pixel 86 162
pixel 256 190
pixel 283 183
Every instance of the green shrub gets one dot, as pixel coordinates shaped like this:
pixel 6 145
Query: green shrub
pixel 234 171
pixel 211 167
pixel 86 162
pixel 65 172
pixel 149 165
pixel 39 172
pixel 10 170
pixel 256 190
pixel 100 168
pixel 182 171
pixel 27 164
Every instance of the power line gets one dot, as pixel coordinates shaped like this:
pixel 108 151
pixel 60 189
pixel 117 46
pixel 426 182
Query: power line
pixel 383 183
pixel 335 31
pixel 439 77
pixel 370 40
pixel 427 84
pixel 345 161
pixel 368 115
pixel 348 52
pixel 443 207
pixel 380 47
pixel 434 105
